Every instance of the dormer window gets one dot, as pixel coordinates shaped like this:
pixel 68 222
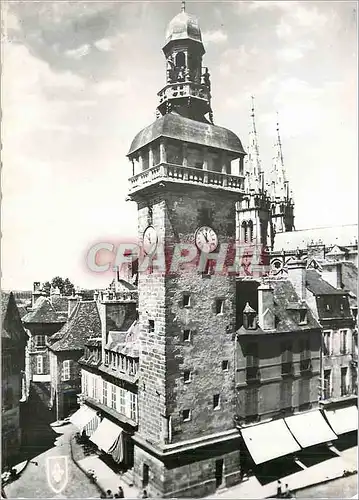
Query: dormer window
pixel 302 316
pixel 249 318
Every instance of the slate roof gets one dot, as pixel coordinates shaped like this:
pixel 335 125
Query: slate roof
pixel 59 303
pixel 178 127
pixel 315 284
pixel 126 342
pixel 329 236
pixel 84 323
pixel 12 330
pixel 287 319
pixel 350 281
pixel 44 312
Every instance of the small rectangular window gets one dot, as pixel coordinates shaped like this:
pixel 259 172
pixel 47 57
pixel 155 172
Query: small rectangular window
pixel 151 326
pixel 66 369
pixel 186 300
pixel 187 376
pixel 225 365
pixel 187 335
pixel 216 402
pixel 40 340
pixel 186 415
pixel 219 306
pixel 39 365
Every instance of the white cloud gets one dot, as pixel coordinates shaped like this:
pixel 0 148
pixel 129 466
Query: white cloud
pixel 104 44
pixel 217 36
pixel 112 87
pixel 283 29
pixel 79 52
pixel 290 54
pixel 308 16
pixel 268 4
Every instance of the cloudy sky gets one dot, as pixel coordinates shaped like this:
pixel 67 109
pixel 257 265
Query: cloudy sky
pixel 80 80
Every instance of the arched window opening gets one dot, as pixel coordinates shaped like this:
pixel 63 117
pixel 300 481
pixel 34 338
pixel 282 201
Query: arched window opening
pixel 244 231
pixel 250 231
pixel 180 59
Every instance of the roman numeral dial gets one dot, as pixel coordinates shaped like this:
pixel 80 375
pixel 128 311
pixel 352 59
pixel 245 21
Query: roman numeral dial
pixel 206 239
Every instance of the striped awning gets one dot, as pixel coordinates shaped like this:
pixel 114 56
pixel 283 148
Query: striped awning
pixel 108 437
pixel 85 417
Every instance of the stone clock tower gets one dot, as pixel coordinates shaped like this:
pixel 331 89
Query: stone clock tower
pixel 184 183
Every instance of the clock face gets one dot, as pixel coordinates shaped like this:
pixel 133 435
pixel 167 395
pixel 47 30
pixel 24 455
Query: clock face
pixel 150 240
pixel 206 239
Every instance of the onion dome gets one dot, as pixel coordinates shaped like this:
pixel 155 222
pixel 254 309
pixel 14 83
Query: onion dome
pixel 183 26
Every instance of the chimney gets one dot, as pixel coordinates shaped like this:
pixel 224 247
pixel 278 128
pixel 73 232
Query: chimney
pixel 332 273
pixel 124 272
pixel 36 293
pixel 71 302
pixel 296 274
pixel 266 316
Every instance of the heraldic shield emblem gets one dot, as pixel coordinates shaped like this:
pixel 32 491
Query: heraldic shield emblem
pixel 57 473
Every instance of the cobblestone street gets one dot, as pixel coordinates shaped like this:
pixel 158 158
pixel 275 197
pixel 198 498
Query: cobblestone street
pixel 33 481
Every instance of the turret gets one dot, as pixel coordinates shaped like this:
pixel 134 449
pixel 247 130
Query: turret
pixel 253 212
pixel 188 87
pixel 282 205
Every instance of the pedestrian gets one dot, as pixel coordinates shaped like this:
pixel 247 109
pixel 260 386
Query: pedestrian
pixel 121 493
pixel 144 494
pixel 287 493
pixel 109 494
pixel 279 489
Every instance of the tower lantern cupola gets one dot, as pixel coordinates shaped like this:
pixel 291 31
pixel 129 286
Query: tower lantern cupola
pixel 188 88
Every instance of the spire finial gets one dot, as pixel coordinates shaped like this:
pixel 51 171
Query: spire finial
pixel 279 141
pixel 183 7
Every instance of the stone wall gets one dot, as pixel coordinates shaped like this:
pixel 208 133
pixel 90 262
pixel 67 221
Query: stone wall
pixel 191 473
pixel 165 354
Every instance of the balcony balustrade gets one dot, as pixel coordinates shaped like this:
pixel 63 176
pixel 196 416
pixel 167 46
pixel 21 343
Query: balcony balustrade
pixel 188 175
pixel 184 89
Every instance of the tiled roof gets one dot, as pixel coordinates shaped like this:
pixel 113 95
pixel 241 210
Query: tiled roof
pixel 44 312
pixel 59 303
pixel 287 319
pixel 318 286
pixel 328 236
pixel 83 324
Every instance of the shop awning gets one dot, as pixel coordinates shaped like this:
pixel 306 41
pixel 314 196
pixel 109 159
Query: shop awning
pixel 83 416
pixel 310 428
pixel 343 420
pixel 106 435
pixel 269 440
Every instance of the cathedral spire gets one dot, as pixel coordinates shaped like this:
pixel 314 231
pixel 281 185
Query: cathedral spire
pixel 254 175
pixel 279 187
pixel 183 6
